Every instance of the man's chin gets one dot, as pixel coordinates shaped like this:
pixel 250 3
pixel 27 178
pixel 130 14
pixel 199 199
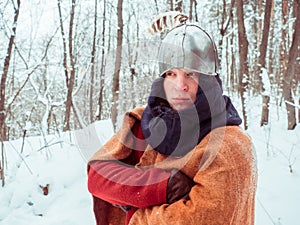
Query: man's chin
pixel 180 107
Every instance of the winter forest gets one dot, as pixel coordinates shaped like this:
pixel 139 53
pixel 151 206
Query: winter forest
pixel 66 64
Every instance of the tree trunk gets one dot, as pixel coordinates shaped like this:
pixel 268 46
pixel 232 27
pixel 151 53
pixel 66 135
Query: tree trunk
pixel 178 5
pixel 262 63
pixel 299 110
pixel 156 7
pixel 171 5
pixel 115 89
pixel 226 18
pixel 64 46
pixel 257 29
pixel 93 54
pixel 195 9
pixel 233 77
pixel 283 48
pixel 243 54
pixel 191 10
pixel 271 46
pixel 2 164
pixel 71 73
pixel 5 73
pixel 100 100
pixel 290 73
pixel 3 87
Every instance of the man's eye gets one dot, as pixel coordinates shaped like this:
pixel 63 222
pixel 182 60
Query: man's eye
pixel 169 74
pixel 192 74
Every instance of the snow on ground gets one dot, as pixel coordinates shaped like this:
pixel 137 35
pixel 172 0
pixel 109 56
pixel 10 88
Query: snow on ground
pixel 59 162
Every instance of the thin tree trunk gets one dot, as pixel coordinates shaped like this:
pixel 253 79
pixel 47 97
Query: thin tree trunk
pixel 70 85
pixel 262 63
pixel 178 5
pixel 66 126
pixel 283 44
pixel 2 164
pixel 299 110
pixel 93 54
pixel 100 100
pixel 116 84
pixel 64 42
pixel 226 18
pixel 5 73
pixel 233 82
pixel 243 53
pixel 271 63
pixel 195 9
pixel 258 30
pixel 171 5
pixel 156 6
pixel 290 73
pixel 191 10
pixel 3 87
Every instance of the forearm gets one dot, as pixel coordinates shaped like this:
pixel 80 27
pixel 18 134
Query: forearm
pixel 199 209
pixel 122 185
pixel 212 201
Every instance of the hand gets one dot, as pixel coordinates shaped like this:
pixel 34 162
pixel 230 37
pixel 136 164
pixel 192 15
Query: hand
pixel 179 186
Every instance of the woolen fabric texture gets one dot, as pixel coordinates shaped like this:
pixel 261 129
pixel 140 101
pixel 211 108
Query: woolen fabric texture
pixel 172 132
pixel 222 166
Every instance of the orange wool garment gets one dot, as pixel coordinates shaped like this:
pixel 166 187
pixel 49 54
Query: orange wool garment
pixel 222 165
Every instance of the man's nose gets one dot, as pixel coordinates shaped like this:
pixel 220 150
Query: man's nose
pixel 181 83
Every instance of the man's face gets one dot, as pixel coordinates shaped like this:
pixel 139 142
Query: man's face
pixel 181 87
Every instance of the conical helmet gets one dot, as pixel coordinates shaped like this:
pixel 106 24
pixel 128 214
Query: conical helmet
pixel 191 47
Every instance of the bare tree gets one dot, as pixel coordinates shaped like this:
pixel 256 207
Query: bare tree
pixel 100 98
pixel 195 9
pixel 290 72
pixel 115 88
pixel 191 10
pixel 5 71
pixel 283 43
pixel 262 62
pixel 243 53
pixel 71 79
pixel 170 2
pixel 257 6
pixel 226 18
pixel 232 77
pixel 3 87
pixel 69 71
pixel 93 54
pixel 271 46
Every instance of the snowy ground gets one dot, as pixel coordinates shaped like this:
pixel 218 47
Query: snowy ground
pixel 57 161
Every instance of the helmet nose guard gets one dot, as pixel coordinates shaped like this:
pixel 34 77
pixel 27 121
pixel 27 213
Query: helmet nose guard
pixel 188 46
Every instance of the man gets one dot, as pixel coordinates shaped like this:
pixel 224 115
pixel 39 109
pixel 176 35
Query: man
pixel 183 159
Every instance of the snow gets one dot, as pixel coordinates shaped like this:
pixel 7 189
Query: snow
pixel 60 161
pixel 266 82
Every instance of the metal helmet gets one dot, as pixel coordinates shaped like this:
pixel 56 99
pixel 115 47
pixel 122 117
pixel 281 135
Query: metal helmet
pixel 188 46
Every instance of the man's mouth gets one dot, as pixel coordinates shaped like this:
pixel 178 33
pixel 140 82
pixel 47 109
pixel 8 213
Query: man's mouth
pixel 181 100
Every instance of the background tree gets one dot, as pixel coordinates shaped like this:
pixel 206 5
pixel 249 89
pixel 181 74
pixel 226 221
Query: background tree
pixel 3 86
pixel 118 61
pixel 64 43
pixel 5 71
pixel 262 63
pixel 93 56
pixel 101 75
pixel 290 71
pixel 70 79
pixel 243 57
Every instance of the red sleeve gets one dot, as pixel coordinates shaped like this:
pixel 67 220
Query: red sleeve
pixel 122 185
